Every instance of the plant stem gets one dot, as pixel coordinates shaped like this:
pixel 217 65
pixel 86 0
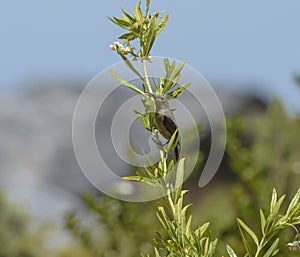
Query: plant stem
pixel 146 76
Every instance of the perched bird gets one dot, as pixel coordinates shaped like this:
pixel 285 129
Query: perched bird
pixel 165 121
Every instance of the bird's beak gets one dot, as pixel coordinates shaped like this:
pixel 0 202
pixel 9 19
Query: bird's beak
pixel 151 95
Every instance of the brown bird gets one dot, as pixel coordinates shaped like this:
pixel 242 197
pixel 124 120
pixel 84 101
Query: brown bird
pixel 165 121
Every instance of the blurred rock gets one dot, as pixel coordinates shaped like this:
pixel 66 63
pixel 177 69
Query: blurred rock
pixel 38 167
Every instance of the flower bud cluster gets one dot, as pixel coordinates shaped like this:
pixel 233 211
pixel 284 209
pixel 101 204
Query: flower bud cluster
pixel 120 47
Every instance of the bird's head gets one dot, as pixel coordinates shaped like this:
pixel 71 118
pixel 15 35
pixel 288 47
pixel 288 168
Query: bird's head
pixel 160 100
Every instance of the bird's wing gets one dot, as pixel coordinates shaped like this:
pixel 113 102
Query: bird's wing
pixel 169 124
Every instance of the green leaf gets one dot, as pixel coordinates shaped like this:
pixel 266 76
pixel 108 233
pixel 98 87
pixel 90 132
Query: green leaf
pixel 167 64
pixel 262 221
pixel 137 11
pixel 130 66
pixel 152 31
pixel 128 36
pixel 273 200
pixel 176 71
pixel 188 226
pixel 180 173
pixel 133 178
pixel 147 7
pixel 173 142
pixel 155 85
pixel 203 228
pixel 120 22
pixel 156 252
pixel 246 245
pixel 139 178
pixel 230 251
pixel 273 249
pixel 163 24
pixel 276 208
pixel 172 75
pixel 166 222
pixel 249 231
pixel 212 248
pixel 190 243
pixel 293 204
pixel 148 121
pixel 125 83
pixel 176 93
pixel 128 16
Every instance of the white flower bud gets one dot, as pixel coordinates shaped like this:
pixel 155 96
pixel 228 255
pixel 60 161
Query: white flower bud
pixel 150 59
pixel 112 47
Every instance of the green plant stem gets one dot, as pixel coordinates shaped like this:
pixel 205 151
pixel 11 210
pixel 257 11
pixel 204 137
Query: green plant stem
pixel 260 246
pixel 146 76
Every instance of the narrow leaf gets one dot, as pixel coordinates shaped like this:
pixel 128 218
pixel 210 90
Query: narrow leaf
pixel 262 221
pixel 133 178
pixel 293 203
pixel 147 7
pixel 125 83
pixel 276 207
pixel 137 11
pixel 129 64
pixel 120 22
pixel 151 36
pixel 167 64
pixel 128 16
pixel 163 24
pixel 156 252
pixel 173 142
pixel 230 251
pixel 179 179
pixel 188 226
pixel 249 231
pixel 176 93
pixel 273 249
pixel 204 227
pixel 273 200
pixel 128 36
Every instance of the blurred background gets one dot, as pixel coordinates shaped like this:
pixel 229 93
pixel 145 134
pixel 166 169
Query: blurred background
pixel 248 51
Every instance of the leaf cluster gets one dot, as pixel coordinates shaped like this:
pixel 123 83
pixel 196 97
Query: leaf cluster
pixel 180 239
pixel 144 27
pixel 266 245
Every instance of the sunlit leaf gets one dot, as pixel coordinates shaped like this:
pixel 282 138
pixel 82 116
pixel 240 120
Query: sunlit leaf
pixel 128 17
pixel 128 36
pixel 249 231
pixel 176 93
pixel 273 200
pixel 174 140
pixel 163 24
pixel 120 22
pixel 156 252
pixel 137 11
pixel 126 83
pixel 179 177
pixel 150 36
pixel 293 204
pixel 131 67
pixel 230 251
pixel 262 221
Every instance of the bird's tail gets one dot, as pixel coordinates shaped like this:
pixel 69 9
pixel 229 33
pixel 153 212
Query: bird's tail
pixel 177 151
pixel 177 147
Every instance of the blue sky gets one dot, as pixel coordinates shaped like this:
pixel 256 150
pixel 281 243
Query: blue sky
pixel 244 41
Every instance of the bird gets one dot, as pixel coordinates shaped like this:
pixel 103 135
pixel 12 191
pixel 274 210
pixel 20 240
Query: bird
pixel 165 121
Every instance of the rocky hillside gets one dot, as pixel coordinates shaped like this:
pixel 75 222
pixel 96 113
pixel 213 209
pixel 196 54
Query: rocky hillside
pixel 38 167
